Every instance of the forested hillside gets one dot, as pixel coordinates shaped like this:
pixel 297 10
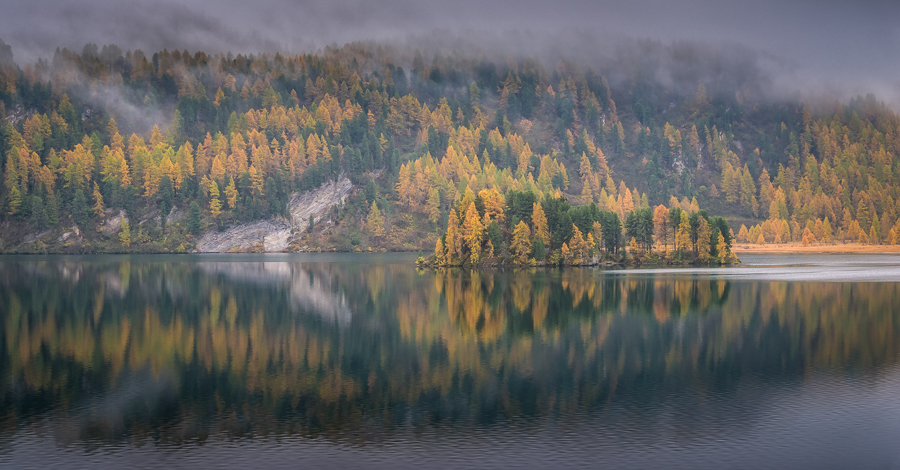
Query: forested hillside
pixel 214 141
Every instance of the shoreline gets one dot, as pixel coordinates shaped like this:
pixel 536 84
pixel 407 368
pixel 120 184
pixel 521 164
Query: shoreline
pixel 797 248
pixel 786 248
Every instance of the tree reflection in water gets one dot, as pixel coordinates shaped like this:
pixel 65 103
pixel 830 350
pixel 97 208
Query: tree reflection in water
pixel 122 348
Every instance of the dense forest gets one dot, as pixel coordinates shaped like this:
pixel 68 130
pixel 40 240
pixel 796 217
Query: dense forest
pixel 448 153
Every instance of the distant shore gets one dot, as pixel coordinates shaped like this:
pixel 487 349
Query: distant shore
pixel 814 248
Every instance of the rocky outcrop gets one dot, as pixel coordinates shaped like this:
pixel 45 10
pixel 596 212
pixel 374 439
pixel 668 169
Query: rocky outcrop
pixel 113 223
pixel 274 235
pixel 317 203
pixel 71 236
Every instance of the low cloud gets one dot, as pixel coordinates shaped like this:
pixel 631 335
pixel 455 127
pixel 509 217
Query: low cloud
pixel 827 46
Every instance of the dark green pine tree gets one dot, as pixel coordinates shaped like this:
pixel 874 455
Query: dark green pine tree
pixel 193 221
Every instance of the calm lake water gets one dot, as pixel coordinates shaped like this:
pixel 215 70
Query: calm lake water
pixel 341 361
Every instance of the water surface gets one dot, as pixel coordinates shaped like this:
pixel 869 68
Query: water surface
pixel 349 360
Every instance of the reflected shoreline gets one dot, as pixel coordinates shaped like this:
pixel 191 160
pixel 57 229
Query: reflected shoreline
pixel 357 349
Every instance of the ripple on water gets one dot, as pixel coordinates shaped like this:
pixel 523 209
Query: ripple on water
pixel 828 421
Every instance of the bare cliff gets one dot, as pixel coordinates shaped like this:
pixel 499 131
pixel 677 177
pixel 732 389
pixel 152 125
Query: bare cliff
pixel 275 234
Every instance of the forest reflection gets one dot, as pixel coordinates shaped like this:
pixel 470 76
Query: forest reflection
pixel 120 348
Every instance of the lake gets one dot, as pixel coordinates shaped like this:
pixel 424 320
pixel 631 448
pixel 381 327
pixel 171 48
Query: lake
pixel 363 360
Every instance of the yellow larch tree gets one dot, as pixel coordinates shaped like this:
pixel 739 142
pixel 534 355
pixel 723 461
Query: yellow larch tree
pixel 453 242
pixel 683 234
pixel 215 205
pixel 661 226
pixel 231 194
pixel 375 222
pixel 433 205
pixel 539 221
pixel 704 234
pixel 99 208
pixel 521 243
pixel 473 232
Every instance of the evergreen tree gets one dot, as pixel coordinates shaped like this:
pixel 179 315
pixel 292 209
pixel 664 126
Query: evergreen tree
pixel 79 208
pixel 539 251
pixel 125 234
pixel 193 221
pixel 494 233
pixel 38 214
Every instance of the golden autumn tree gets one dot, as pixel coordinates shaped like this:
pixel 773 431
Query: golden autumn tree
pixel 433 205
pixel 375 222
pixel 493 205
pixel 578 246
pixel 808 237
pixel 231 194
pixel 521 243
pixel 704 234
pixel 661 226
pixel 539 220
pixel 473 233
pixel 453 242
pixel 683 233
pixel 722 248
pixel 597 233
pixel 99 208
pixel 215 205
pixel 439 253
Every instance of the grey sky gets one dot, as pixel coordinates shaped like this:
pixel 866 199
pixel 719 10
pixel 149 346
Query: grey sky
pixel 841 46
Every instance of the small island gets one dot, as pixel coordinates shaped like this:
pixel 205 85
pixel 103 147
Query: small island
pixel 490 229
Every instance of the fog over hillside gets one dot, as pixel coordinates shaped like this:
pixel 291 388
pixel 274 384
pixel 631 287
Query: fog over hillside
pixel 838 48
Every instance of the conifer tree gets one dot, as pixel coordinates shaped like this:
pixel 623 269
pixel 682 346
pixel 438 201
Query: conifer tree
pixel 375 222
pixel 215 206
pixel 566 253
pixel 704 239
pixel 521 243
pixel 125 234
pixel 539 250
pixel 722 248
pixel 683 233
pixel 14 200
pixel 453 242
pixel 578 246
pixel 597 233
pixel 660 226
pixel 439 252
pixel 633 249
pixel 99 209
pixel 473 231
pixel 433 204
pixel 193 221
pixel 808 237
pixel 79 207
pixel 539 219
pixel 231 194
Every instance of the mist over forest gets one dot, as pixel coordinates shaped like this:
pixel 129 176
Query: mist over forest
pixel 839 48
